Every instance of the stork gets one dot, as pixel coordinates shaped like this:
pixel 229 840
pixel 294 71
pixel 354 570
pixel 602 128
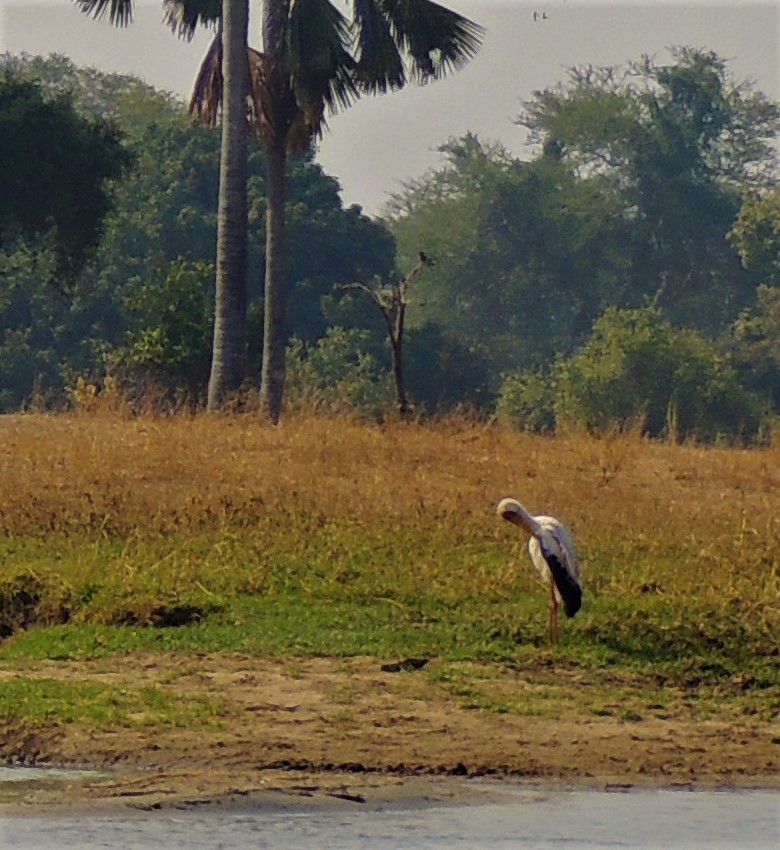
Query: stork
pixel 552 553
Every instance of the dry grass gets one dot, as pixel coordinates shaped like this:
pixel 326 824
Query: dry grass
pixel 143 476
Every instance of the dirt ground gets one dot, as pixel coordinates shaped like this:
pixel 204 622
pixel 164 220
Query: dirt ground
pixel 348 731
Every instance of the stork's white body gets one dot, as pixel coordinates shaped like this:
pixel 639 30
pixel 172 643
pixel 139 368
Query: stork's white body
pixel 554 556
pixel 552 534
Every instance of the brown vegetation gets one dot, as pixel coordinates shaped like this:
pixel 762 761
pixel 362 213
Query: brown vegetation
pixel 127 475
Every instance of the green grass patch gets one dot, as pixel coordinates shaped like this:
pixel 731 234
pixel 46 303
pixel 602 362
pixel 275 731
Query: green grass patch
pixel 314 588
pixel 40 700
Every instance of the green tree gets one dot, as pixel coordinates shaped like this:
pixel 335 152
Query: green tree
pixel 314 60
pixel 338 374
pixel 756 235
pixel 117 99
pixel 636 366
pixel 171 315
pixel 27 346
pixel 526 401
pixel 226 62
pixel 527 254
pixel 754 339
pixel 165 214
pixel 55 173
pixel 682 141
pixel 753 343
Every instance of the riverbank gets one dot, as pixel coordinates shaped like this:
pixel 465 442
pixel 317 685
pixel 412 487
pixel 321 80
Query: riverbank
pixel 325 730
pixel 207 607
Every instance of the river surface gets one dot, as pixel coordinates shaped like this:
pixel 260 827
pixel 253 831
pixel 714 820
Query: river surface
pixel 526 818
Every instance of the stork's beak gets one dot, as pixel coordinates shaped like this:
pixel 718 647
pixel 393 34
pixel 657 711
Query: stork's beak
pixel 512 517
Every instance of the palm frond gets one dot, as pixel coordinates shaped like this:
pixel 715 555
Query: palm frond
pixel 436 39
pixel 120 12
pixel 380 65
pixel 206 100
pixel 315 54
pixel 276 115
pixel 185 16
pixel 208 92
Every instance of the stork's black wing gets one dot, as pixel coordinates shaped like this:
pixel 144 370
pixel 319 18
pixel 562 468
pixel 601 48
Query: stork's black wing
pixel 567 584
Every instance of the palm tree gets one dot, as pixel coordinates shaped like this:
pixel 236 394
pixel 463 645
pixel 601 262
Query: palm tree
pixel 224 70
pixel 316 60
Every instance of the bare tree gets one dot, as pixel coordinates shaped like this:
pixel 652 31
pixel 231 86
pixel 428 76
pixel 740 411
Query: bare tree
pixel 391 301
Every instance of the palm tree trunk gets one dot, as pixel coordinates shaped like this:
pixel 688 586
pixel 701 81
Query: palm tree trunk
pixel 274 308
pixel 228 366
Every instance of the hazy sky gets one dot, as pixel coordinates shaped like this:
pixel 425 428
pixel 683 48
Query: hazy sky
pixel 380 142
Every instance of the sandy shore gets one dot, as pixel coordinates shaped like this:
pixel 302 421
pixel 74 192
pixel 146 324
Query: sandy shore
pixel 347 732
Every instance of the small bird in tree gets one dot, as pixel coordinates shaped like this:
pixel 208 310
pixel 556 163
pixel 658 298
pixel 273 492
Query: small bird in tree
pixel 552 553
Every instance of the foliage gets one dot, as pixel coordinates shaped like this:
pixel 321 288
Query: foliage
pixel 754 345
pixel 338 374
pixel 164 218
pixel 32 318
pixel 756 235
pixel 328 244
pixel 444 373
pixel 634 199
pixel 173 317
pixel 527 401
pixel 527 256
pixel 316 60
pixel 57 192
pixel 683 141
pixel 117 99
pixel 689 116
pixel 637 366
pixel 623 195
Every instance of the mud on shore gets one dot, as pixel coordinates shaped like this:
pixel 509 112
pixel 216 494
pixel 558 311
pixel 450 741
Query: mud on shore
pixel 347 731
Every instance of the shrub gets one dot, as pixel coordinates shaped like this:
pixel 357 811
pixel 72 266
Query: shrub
pixel 636 364
pixel 170 343
pixel 754 345
pixel 337 374
pixel 526 401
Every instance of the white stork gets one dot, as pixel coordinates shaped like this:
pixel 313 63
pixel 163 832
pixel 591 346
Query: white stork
pixel 552 553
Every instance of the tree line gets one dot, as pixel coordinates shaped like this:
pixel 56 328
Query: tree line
pixel 626 269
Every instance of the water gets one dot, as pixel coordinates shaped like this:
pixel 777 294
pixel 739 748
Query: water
pixel 528 818
pixel 43 774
